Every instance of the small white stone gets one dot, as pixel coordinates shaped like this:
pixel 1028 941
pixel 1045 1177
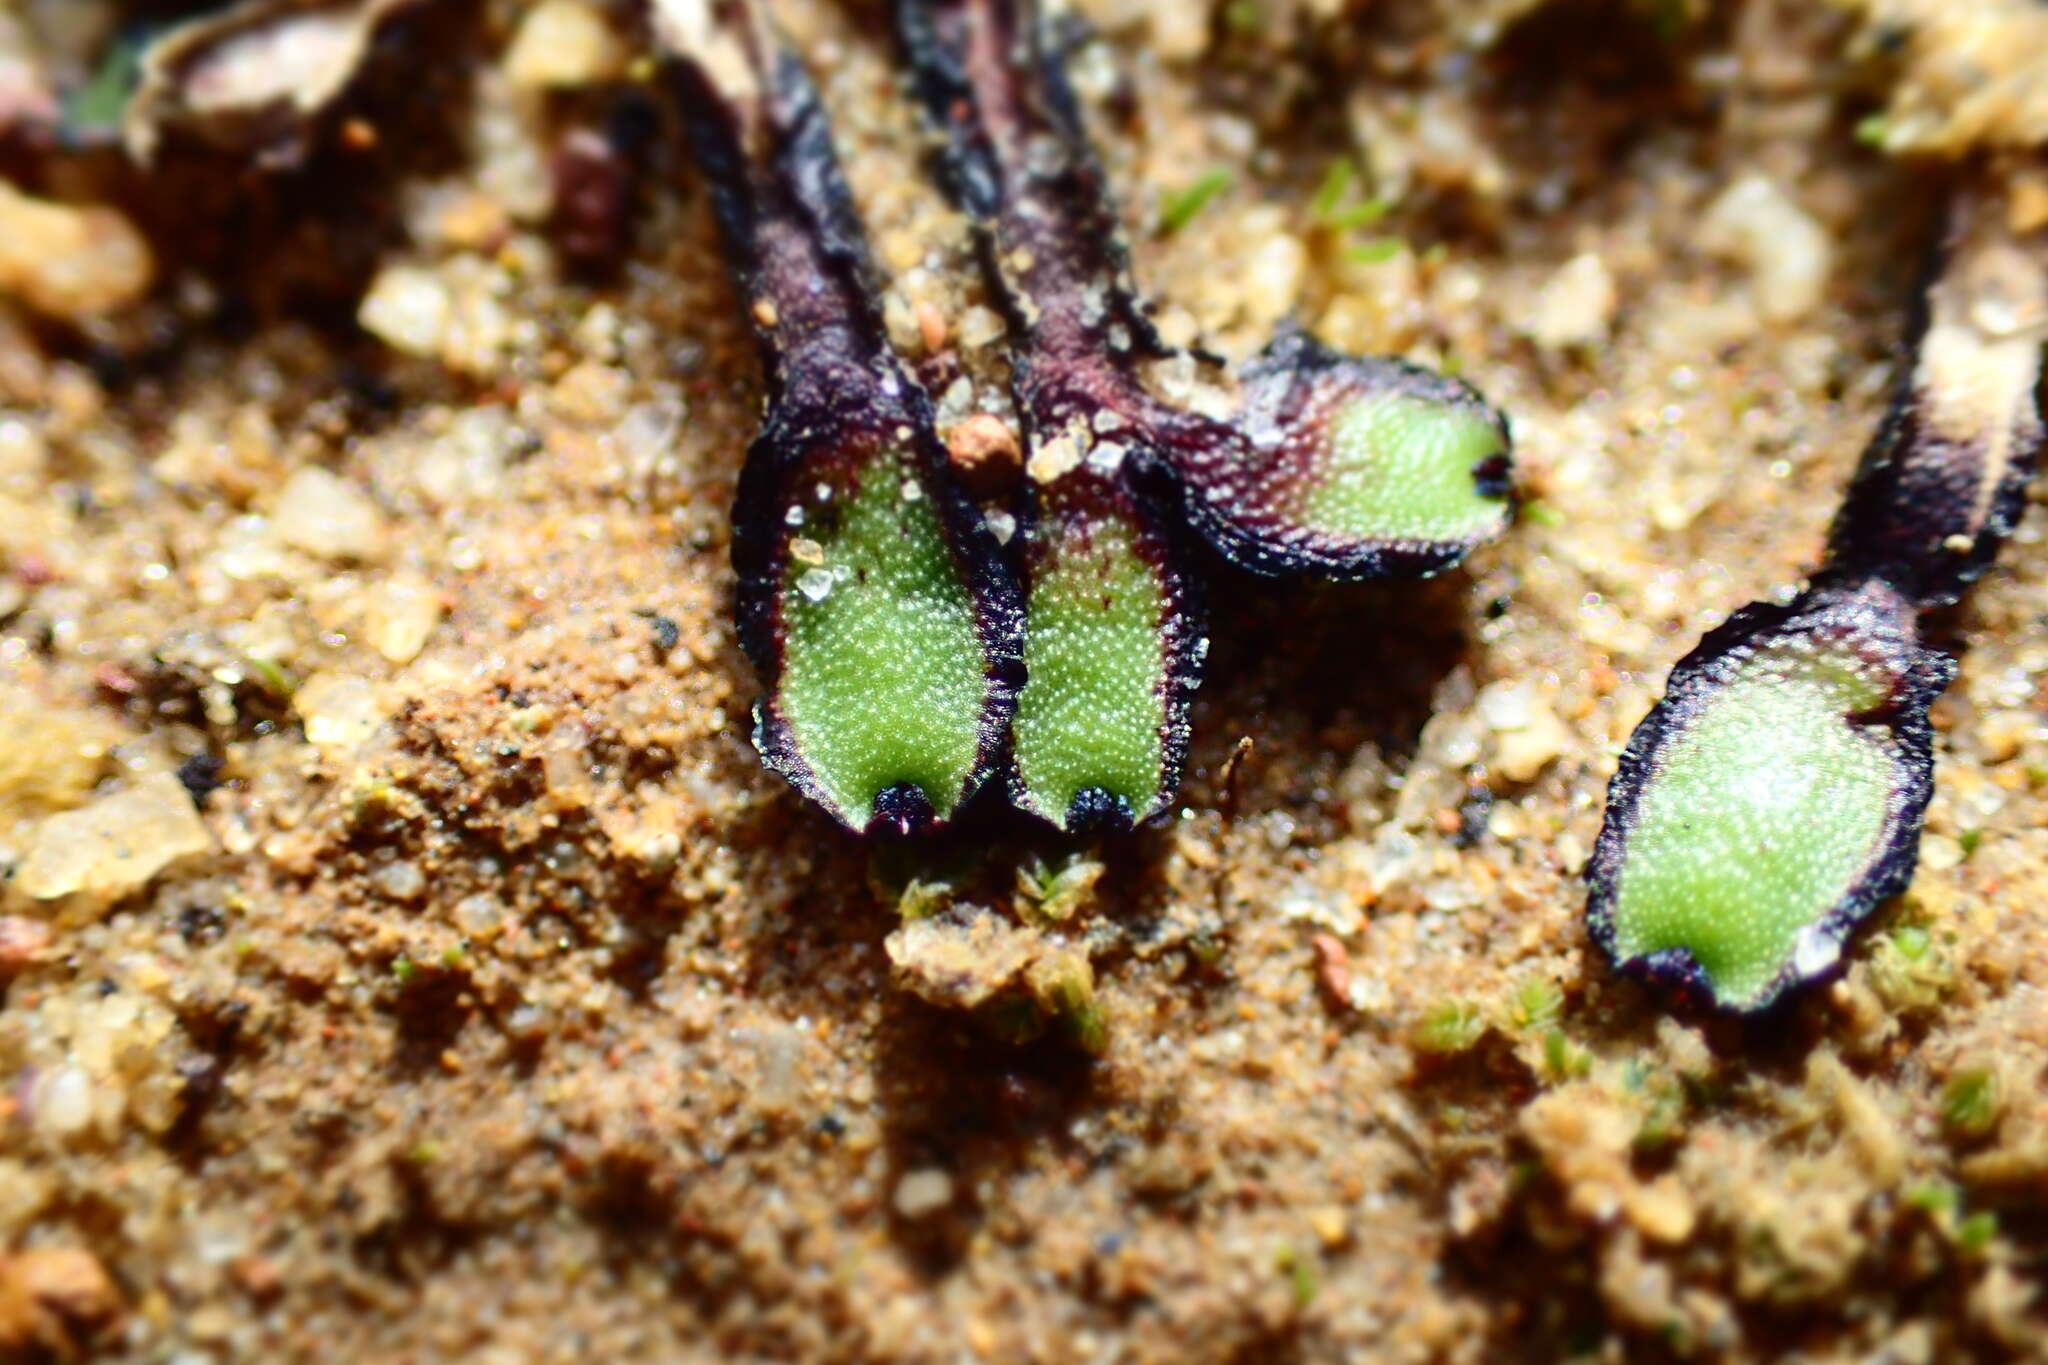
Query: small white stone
pixel 409 309
pixel 1788 254
pixel 816 584
pixel 67 262
pixel 116 844
pixel 1575 305
pixel 1939 853
pixel 1053 459
pixel 479 916
pixel 560 44
pixel 400 615
pixel 922 1193
pixel 400 881
pixel 340 712
pixel 980 327
pixel 328 517
pixel 63 1102
pixel 1271 278
pixel 1814 951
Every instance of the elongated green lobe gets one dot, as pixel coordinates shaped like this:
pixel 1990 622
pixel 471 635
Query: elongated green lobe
pixel 1763 814
pixel 1114 640
pixel 872 599
pixel 1354 468
pixel 1401 469
pixel 1095 724
pixel 1775 795
pixel 1771 798
pixel 883 679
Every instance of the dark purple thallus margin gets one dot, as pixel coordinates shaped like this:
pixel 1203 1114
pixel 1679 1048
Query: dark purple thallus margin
pixel 800 263
pixel 1017 161
pixel 1891 558
pixel 1871 618
pixel 1299 381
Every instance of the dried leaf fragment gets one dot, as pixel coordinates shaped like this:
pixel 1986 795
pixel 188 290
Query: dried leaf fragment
pixel 253 79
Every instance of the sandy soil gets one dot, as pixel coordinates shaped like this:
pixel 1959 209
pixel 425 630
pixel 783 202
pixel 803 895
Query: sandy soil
pixel 500 1008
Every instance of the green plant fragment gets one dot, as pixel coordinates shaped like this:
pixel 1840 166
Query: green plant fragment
pixel 1536 1004
pixel 1063 984
pixel 883 679
pixel 1971 1102
pixel 1181 208
pixel 1052 895
pixel 1977 1231
pixel 1934 1197
pixel 1376 250
pixel 1095 732
pixel 1770 800
pixel 1336 181
pixel 1450 1027
pixel 1564 1060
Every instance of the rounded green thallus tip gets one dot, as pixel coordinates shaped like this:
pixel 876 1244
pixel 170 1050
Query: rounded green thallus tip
pixel 1089 722
pixel 884 679
pixel 1405 468
pixel 1756 822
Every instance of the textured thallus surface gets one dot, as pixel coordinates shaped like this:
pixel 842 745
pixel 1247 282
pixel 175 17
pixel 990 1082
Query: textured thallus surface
pixel 1762 814
pixel 883 674
pixel 1401 469
pixel 1089 713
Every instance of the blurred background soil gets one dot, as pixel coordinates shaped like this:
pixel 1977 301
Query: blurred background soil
pixel 406 959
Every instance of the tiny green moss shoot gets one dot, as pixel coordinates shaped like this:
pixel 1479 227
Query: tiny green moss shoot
pixel 1090 712
pixel 884 679
pixel 1762 815
pixel 1402 469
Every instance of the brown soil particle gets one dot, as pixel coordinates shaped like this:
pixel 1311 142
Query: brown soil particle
pixel 404 957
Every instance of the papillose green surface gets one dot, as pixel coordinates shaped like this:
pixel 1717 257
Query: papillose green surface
pixel 1350 467
pixel 1772 798
pixel 882 664
pixel 1401 469
pixel 1764 811
pixel 1090 718
pixel 870 596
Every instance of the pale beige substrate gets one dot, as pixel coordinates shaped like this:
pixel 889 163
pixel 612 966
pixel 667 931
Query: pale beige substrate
pixel 551 1028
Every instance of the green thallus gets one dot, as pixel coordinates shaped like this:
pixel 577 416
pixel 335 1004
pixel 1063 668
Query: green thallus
pixel 872 598
pixel 905 655
pixel 1775 795
pixel 1331 465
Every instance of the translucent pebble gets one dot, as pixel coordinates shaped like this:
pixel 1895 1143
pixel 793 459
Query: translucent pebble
pixel 63 1102
pixel 116 844
pixel 816 584
pixel 922 1193
pixel 401 881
